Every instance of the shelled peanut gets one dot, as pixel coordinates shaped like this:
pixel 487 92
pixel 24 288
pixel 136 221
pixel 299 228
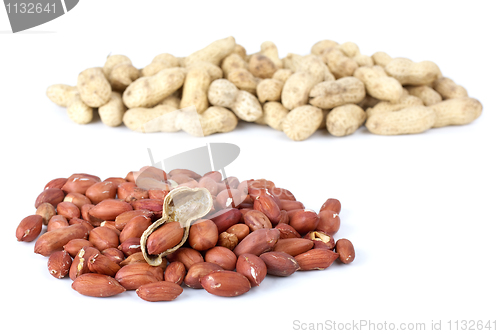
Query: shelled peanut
pixel 155 232
pixel 335 87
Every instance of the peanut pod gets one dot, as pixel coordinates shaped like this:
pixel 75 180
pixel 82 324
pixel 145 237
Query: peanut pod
pixel 184 205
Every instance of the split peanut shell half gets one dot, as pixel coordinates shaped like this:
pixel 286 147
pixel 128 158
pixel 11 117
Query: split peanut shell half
pixel 184 205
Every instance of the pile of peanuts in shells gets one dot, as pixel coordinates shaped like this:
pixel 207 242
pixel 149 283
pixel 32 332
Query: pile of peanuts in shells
pixel 223 236
pixel 334 87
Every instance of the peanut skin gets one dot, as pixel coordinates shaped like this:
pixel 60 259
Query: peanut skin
pixel 52 241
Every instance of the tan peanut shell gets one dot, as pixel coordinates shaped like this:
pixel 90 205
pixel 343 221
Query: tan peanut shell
pixel 244 80
pixel 122 76
pixel 296 89
pixel 223 93
pixel 378 84
pixel 111 113
pixel 247 57
pixel 428 95
pixel 120 72
pixel 269 90
pixel 260 120
pixel 214 71
pixel 158 119
pixel 262 87
pixel 261 66
pixel 240 51
pixel 410 120
pixel 282 74
pixel 331 94
pixel 112 61
pixel 368 102
pixel 291 61
pixel 273 115
pixel 182 61
pixel 345 120
pixel 61 94
pixel 385 106
pixel 195 89
pixel 310 71
pixel 160 62
pixel 233 62
pixel 381 58
pixel 171 100
pixel 270 50
pixel 350 49
pixel 93 87
pixel 405 92
pixel 448 89
pixel 338 63
pixel 314 65
pixel 246 106
pixel 301 122
pixel 408 72
pixel 320 47
pixel 322 125
pixel 363 60
pixel 149 91
pixel 213 53
pixel 79 112
pixel 458 111
pixel 213 120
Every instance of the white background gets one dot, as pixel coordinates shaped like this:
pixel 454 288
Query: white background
pixel 421 210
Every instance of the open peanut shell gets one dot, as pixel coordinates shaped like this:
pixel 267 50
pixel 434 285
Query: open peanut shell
pixel 184 205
